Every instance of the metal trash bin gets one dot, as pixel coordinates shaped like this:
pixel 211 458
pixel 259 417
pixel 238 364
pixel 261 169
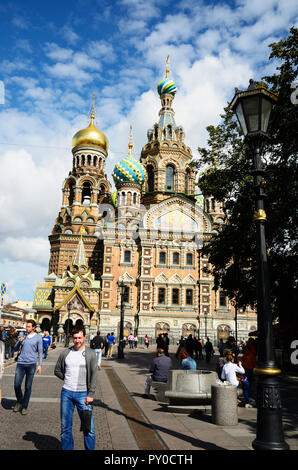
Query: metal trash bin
pixel 224 405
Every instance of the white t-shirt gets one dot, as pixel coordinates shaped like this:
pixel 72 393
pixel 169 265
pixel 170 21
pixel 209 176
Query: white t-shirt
pixel 229 373
pixel 75 378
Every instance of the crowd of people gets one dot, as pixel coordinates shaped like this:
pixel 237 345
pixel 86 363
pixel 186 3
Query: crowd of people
pixel 77 366
pixel 191 350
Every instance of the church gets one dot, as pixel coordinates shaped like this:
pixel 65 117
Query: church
pixel 140 244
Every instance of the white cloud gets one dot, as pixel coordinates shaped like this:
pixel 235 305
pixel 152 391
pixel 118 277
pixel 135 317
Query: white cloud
pixel 35 249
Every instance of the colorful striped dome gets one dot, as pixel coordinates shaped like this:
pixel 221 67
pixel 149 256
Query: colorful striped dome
pixel 129 170
pixel 166 86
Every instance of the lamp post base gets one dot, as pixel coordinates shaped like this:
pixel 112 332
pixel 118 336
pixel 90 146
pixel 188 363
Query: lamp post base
pixel 270 434
pixel 120 351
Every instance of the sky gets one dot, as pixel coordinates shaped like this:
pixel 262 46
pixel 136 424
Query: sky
pixel 55 54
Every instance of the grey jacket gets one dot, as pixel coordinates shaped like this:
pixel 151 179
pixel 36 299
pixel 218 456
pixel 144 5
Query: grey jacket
pixel 91 364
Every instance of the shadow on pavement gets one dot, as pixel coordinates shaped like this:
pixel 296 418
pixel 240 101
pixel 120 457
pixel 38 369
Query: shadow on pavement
pixel 42 441
pixel 194 442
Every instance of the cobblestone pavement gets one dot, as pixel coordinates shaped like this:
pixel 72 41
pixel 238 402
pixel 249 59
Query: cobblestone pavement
pixel 40 428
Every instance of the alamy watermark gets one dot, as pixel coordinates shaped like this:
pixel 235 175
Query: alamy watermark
pixel 294 94
pixel 294 354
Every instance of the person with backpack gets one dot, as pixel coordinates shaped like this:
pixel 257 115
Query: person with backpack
pixel 97 343
pixel 46 342
pixel 11 341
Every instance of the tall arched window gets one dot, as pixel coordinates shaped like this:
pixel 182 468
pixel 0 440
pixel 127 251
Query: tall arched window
pixel 170 178
pixel 150 176
pixel 86 193
pixel 71 193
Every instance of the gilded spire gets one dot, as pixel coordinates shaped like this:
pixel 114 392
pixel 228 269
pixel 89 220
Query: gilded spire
pixel 168 66
pixel 92 116
pixel 80 256
pixel 130 144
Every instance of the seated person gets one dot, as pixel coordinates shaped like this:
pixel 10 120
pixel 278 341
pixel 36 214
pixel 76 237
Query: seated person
pixel 186 362
pixel 160 368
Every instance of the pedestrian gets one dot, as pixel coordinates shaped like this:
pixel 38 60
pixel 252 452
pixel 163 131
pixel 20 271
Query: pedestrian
pixel 208 350
pixel 11 341
pixel 186 362
pixel 221 347
pixel 97 344
pixel 166 345
pixel 229 371
pixel 77 367
pixel 2 349
pixel 249 360
pixel 159 368
pixel 147 341
pixel 111 341
pixel 190 345
pixel 3 338
pixel 200 348
pixel 160 341
pixel 30 345
pixel 231 344
pixel 107 344
pixel 136 339
pixel 131 340
pixel 46 343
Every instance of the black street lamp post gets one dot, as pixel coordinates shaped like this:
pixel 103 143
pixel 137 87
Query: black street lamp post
pixel 67 331
pixel 121 345
pixel 253 108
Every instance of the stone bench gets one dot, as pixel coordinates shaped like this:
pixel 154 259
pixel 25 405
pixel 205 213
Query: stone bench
pixel 186 390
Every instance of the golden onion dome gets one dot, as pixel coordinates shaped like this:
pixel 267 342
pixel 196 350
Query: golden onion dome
pixel 90 136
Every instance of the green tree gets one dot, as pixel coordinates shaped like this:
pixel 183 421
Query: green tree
pixel 232 252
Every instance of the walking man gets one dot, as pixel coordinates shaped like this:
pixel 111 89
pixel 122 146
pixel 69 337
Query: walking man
pixel 46 341
pixel 97 344
pixel 30 345
pixel 77 367
pixel 111 341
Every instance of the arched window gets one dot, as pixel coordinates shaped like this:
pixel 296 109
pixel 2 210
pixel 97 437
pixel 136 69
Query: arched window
pixel 162 257
pixel 134 198
pixel 189 297
pixel 127 256
pixel 89 160
pixel 170 178
pixel 175 296
pixel 86 193
pixel 189 259
pixel 176 258
pixel 128 199
pixel 222 299
pixel 161 295
pixel 71 193
pixel 150 176
pixel 213 204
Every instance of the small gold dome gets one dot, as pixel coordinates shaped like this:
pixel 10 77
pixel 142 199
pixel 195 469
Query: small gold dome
pixel 90 136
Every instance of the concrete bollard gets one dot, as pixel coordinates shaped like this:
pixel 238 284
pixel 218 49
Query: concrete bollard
pixel 224 405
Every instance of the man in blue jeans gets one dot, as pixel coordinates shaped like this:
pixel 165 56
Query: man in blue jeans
pixel 26 365
pixel 77 367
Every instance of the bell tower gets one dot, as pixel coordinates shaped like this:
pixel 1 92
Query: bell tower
pixel 166 158
pixel 84 189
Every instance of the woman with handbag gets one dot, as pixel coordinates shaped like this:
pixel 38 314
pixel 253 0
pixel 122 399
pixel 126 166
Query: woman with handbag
pixel 229 374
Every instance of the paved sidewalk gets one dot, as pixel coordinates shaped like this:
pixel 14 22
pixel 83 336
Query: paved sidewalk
pixel 124 420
